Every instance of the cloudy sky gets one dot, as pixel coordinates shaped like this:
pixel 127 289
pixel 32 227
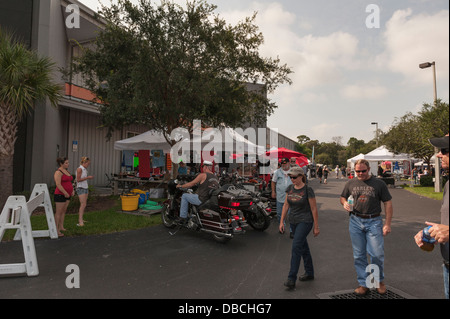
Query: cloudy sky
pixel 347 75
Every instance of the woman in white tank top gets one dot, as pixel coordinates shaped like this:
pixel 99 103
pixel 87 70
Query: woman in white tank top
pixel 82 187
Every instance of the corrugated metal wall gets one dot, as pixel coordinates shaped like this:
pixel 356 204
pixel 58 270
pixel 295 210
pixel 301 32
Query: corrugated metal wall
pixel 91 142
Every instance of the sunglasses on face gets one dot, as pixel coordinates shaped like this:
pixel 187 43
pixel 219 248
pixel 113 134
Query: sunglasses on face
pixel 444 151
pixel 294 177
pixel 363 171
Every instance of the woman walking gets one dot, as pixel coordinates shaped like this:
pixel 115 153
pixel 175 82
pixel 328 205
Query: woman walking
pixel 63 192
pixel 82 187
pixel 303 217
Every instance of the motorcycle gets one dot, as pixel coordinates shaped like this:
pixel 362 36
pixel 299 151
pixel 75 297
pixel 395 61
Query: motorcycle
pixel 260 213
pixel 221 215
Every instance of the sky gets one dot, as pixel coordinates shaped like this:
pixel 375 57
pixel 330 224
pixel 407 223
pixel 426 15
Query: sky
pixel 355 62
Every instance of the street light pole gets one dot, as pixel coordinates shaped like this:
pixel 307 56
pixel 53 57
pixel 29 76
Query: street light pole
pixel 376 123
pixel 437 164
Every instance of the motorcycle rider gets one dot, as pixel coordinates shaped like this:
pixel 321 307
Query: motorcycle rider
pixel 206 182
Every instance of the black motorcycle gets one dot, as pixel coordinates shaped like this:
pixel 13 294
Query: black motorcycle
pixel 261 212
pixel 221 215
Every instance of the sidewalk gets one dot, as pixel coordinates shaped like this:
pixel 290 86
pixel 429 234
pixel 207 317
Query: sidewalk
pixel 150 263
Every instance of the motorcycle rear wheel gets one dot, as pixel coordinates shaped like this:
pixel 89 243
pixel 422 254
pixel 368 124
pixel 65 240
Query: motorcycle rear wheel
pixel 167 220
pixel 259 221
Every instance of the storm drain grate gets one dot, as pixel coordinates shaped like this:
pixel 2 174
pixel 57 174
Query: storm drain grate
pixel 391 293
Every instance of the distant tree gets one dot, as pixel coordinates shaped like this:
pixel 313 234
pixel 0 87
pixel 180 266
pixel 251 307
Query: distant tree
pixel 411 133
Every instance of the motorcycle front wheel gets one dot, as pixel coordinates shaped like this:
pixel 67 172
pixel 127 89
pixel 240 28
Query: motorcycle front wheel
pixel 167 220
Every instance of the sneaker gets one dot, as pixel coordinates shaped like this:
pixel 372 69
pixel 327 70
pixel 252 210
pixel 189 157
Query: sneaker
pixel 290 284
pixel 306 277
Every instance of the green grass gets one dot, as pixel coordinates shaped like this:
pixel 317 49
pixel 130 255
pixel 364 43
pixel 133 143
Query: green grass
pixel 98 222
pixel 424 191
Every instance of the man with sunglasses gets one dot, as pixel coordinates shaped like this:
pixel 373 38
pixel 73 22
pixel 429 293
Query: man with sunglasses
pixel 366 225
pixel 440 231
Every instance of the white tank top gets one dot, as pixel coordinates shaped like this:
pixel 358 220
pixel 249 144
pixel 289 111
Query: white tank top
pixel 84 174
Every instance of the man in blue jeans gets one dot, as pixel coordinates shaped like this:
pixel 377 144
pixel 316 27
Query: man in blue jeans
pixel 366 225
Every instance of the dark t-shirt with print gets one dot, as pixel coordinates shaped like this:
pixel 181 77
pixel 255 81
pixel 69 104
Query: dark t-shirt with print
pixel 367 195
pixel 300 210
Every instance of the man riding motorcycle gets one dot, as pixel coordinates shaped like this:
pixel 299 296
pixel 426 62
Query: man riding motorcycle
pixel 206 182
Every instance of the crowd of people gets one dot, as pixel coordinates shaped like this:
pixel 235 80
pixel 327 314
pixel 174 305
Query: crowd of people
pixel 362 197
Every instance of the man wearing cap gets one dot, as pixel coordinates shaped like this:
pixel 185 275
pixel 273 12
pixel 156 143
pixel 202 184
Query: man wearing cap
pixel 280 182
pixel 440 231
pixel 206 182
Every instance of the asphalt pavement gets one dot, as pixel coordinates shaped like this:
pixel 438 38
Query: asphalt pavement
pixel 152 264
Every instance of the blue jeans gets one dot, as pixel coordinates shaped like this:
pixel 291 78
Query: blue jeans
pixel 445 281
pixel 279 212
pixel 187 199
pixel 367 238
pixel 300 249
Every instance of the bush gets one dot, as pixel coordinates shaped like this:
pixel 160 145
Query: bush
pixel 426 180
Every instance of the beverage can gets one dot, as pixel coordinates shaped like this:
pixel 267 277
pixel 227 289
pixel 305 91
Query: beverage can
pixel 428 241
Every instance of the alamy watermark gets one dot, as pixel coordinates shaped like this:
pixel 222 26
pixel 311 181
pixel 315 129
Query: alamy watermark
pixel 225 145
pixel 73 19
pixel 373 19
pixel 373 279
pixel 73 280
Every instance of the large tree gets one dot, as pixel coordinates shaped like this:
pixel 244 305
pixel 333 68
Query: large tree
pixel 411 133
pixel 166 66
pixel 25 78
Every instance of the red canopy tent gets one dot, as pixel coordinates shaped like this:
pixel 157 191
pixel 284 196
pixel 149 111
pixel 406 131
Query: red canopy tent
pixel 281 152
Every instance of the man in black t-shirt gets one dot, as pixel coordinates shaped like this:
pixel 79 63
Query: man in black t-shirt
pixel 366 225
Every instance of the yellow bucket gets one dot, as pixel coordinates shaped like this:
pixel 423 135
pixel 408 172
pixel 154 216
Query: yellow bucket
pixel 130 202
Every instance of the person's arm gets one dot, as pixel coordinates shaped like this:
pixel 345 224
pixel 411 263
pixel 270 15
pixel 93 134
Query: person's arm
pixel 439 232
pixel 315 214
pixel 389 211
pixel 199 179
pixel 274 192
pixel 283 214
pixel 345 204
pixel 79 179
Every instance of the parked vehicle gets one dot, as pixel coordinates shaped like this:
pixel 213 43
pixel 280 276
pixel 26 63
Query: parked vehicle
pixel 260 213
pixel 221 216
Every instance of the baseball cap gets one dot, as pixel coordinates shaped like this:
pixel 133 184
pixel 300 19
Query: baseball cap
pixel 296 170
pixel 439 142
pixel 207 163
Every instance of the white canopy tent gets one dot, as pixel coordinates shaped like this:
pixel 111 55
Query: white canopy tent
pixel 211 140
pixel 383 154
pixel 380 154
pixel 150 140
pixel 353 160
